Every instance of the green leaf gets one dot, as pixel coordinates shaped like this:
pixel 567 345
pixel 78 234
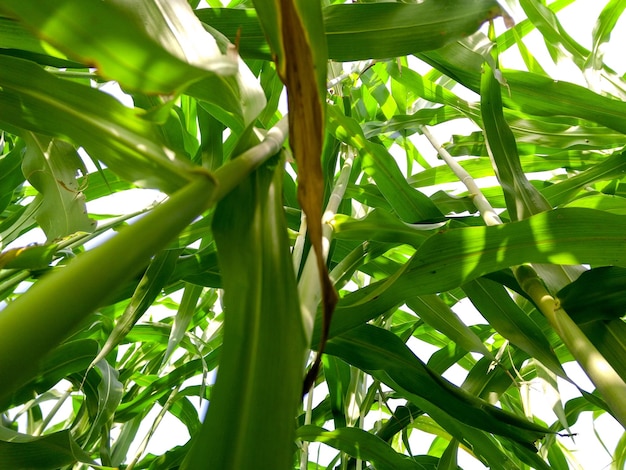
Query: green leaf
pixel 260 375
pixel 522 198
pixel 154 47
pixel 367 30
pixel 152 282
pixel 453 257
pixel 24 452
pixel 510 321
pixel 110 392
pixel 359 444
pixel 598 294
pixel 381 226
pixel 383 355
pixel 51 165
pixel 437 314
pixel 410 205
pixel 32 99
pixel 602 31
pixel 544 96
pixel 183 317
pixel 11 175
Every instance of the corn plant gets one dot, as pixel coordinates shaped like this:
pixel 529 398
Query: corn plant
pixel 293 238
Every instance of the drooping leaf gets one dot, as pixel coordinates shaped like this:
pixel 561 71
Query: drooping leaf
pixel 37 101
pixel 157 44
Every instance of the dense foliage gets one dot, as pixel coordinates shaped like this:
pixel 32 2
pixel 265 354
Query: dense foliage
pixel 330 221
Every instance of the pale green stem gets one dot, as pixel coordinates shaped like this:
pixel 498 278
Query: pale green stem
pixel 478 198
pixel 298 247
pixel 609 383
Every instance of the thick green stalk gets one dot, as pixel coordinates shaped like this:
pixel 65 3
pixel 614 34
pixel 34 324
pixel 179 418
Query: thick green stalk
pixel 608 382
pixel 49 312
pixel 53 307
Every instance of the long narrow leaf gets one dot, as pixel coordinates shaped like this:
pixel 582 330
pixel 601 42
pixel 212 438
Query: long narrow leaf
pixel 258 386
pixel 153 46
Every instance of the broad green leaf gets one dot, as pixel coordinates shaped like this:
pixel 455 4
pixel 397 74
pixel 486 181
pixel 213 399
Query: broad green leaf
pixel 260 375
pixel 453 257
pixel 383 355
pixel 544 96
pixel 22 43
pixel 235 100
pixel 382 30
pixel 564 191
pixel 603 202
pixel 51 165
pixel 363 31
pixel 32 99
pixel 359 444
pixel 510 321
pixel 602 31
pixel 155 47
pixel 51 451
